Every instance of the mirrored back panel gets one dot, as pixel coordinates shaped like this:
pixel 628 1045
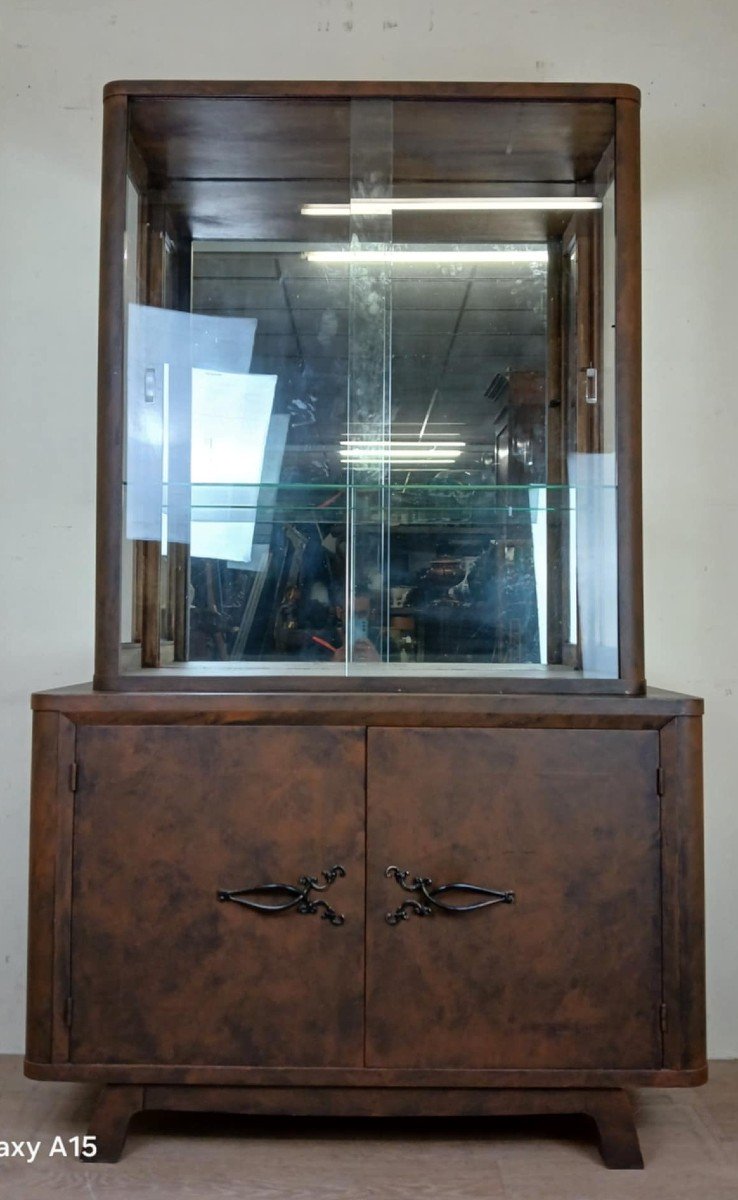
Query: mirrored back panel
pixel 370 421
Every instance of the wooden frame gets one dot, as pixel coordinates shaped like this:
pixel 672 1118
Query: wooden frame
pixel 108 672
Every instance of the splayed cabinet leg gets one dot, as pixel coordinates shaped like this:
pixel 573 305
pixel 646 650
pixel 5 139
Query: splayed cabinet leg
pixel 114 1107
pixel 612 1112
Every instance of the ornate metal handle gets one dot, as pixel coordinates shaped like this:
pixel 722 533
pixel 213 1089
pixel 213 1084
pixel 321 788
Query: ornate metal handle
pixel 430 895
pixel 297 897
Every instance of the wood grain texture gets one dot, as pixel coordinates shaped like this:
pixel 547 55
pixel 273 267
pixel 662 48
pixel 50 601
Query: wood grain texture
pixel 568 976
pixel 684 894
pixel 308 138
pixel 83 702
pixel 113 1110
pixel 628 390
pixel 66 756
pixel 610 1109
pixel 165 818
pixel 689 1140
pixel 382 88
pixel 360 1077
pixel 199 677
pixel 612 1113
pixel 41 885
pixel 110 391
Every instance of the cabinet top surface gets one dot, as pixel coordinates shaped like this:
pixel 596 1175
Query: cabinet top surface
pixel 331 88
pixel 453 708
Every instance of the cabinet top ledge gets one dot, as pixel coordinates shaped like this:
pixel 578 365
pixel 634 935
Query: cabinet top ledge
pixel 337 89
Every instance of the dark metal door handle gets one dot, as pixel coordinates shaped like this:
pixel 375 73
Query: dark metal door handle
pixel 293 896
pixel 430 897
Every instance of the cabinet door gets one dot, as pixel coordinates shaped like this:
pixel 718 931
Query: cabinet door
pixel 568 974
pixel 162 970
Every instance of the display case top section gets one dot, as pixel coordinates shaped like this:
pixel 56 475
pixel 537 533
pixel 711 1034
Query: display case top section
pixel 369 388
pixel 230 89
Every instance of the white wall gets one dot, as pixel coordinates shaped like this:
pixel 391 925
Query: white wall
pixel 55 56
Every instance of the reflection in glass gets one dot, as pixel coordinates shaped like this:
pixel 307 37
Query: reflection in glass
pixel 384 440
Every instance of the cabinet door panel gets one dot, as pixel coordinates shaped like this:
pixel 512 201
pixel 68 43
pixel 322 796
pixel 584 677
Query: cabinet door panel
pixel 162 971
pixel 569 975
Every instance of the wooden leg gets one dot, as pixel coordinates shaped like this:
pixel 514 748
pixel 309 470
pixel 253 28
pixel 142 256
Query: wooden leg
pixel 612 1111
pixel 113 1109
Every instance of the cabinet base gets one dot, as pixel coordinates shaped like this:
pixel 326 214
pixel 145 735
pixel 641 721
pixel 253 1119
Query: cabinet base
pixel 610 1108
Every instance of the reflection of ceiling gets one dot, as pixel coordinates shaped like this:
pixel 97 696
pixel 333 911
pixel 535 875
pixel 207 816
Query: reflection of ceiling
pixel 452 329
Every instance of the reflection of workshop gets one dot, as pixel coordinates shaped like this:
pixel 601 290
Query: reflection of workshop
pixel 432 378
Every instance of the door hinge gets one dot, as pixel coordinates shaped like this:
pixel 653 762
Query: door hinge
pixel 660 781
pixel 68 1011
pixel 662 1017
pixel 73 776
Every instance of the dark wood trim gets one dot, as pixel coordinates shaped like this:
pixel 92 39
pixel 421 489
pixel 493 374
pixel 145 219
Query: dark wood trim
pixel 356 1077
pixel 230 89
pixel 192 679
pixel 610 1109
pixel 63 890
pixel 628 391
pixel 110 390
pixel 42 879
pixel 151 556
pixel 555 465
pixel 612 1113
pixel 113 1110
pixel 604 173
pixel 651 711
pixel 151 604
pixel 178 554
pixel 683 894
pixel 179 579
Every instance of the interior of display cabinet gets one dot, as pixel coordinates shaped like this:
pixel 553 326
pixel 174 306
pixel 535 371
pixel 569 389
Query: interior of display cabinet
pixel 370 422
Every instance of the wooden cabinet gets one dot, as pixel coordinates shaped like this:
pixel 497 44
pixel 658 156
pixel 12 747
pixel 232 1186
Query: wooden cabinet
pixel 568 965
pixel 368 810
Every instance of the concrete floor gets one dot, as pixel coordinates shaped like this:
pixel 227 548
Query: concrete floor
pixel 689 1141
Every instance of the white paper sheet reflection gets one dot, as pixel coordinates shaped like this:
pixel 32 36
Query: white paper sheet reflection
pixel 230 423
pixel 164 347
pixel 594 476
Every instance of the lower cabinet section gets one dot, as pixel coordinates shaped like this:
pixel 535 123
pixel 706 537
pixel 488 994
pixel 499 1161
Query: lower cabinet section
pixel 366 916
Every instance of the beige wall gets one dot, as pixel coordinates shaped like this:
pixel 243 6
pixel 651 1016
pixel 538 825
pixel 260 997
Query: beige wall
pixel 55 56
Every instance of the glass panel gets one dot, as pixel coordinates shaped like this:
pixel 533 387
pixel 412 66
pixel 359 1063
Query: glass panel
pixel 370 394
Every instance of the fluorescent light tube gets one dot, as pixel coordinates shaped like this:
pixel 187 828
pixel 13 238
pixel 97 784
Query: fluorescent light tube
pixel 418 454
pixel 365 453
pixel 398 460
pixel 426 256
pixel 368 444
pixel 385 206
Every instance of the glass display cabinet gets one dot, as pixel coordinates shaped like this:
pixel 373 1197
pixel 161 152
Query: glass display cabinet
pixel 369 396
pixel 369 750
